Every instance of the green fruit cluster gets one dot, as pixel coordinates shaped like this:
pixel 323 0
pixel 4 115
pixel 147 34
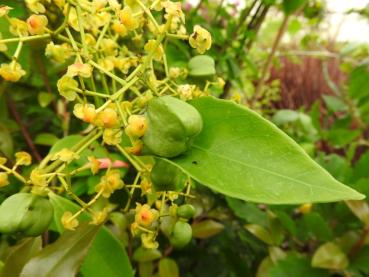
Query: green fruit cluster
pixel 25 214
pixel 172 125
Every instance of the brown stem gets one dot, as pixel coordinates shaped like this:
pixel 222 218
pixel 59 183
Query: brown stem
pixel 24 130
pixel 268 63
pixel 360 243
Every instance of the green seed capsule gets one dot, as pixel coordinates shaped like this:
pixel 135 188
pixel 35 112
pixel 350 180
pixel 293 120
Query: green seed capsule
pixel 172 125
pixel 186 211
pixel 182 234
pixel 26 214
pixel 166 176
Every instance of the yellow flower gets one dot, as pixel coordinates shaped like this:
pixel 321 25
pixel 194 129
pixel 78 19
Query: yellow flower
pixel 59 3
pixel 148 241
pixel 18 27
pixel 3 160
pixel 137 125
pixel 35 6
pixel 73 19
pixel 185 91
pixel 136 147
pixel 145 216
pixel 65 155
pixel 36 24
pixel 99 217
pixel 68 221
pixel 108 118
pixel 119 28
pixel 127 19
pixel 173 9
pixel 3 179
pixel 109 183
pixel 85 112
pixel 109 46
pixel 146 186
pixel 107 63
pixel 174 72
pixel 37 178
pixel 158 51
pixel 79 69
pixel 95 164
pixel 90 39
pixel 4 10
pixel 23 158
pixel 112 136
pixel 11 72
pixel 67 87
pixel 58 52
pixel 200 39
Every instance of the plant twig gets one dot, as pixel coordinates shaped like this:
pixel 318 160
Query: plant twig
pixel 24 130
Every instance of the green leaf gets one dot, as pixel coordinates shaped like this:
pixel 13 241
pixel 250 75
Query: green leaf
pixel 46 139
pixel 201 66
pixel 314 225
pixel 63 257
pixel 44 98
pixel 295 266
pixel 360 209
pixel 329 256
pixel 106 251
pixel 168 268
pixel 6 142
pixel 242 155
pixel 20 255
pixel 358 82
pixel 291 6
pixel 248 211
pixel 206 229
pixel 260 232
pixel 143 255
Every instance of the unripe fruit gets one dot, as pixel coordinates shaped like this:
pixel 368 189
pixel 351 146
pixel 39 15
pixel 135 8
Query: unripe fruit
pixel 167 177
pixel 186 211
pixel 172 125
pixel 26 214
pixel 182 234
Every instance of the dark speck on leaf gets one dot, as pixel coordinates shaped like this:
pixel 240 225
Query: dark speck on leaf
pixel 194 162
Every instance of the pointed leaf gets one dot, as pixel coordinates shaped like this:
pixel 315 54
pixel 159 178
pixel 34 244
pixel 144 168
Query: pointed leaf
pixel 106 250
pixel 63 257
pixel 242 155
pixel 206 229
pixel 330 256
pixel 20 255
pixel 168 268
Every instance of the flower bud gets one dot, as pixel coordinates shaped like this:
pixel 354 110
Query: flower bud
pixel 137 125
pixel 11 72
pixel 36 24
pixel 200 39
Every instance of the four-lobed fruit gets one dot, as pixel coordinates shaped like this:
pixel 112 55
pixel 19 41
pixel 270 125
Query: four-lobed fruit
pixel 186 211
pixel 181 235
pixel 165 176
pixel 25 214
pixel 172 126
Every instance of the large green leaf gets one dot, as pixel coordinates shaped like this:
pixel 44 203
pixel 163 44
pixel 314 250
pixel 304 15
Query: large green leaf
pixel 20 255
pixel 242 155
pixel 107 256
pixel 63 257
